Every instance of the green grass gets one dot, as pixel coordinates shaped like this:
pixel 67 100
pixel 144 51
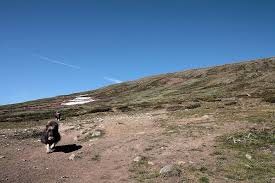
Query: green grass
pixel 22 125
pixel 204 180
pixel 197 86
pixel 256 143
pixel 142 171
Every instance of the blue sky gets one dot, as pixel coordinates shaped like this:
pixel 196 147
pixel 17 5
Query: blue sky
pixel 49 48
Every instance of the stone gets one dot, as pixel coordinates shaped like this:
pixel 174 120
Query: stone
pixel 166 169
pixel 137 159
pixel 65 177
pixel 96 133
pixel 1 157
pixel 181 163
pixel 72 157
pixel 151 163
pixel 249 157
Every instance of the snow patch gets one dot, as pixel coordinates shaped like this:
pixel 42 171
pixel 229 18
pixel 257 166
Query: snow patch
pixel 79 100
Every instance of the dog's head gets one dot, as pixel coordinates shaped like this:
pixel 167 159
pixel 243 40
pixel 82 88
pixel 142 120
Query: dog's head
pixel 51 130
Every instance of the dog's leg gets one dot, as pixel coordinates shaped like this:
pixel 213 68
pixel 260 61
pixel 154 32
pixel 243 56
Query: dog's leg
pixel 49 150
pixel 53 146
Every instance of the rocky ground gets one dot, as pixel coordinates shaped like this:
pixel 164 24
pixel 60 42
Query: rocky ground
pixel 204 144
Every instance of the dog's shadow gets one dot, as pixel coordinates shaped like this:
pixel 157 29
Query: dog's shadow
pixel 67 148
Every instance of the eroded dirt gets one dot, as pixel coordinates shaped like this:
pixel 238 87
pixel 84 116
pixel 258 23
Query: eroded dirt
pixel 187 142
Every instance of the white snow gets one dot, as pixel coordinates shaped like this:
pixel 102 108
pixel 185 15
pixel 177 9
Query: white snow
pixel 79 100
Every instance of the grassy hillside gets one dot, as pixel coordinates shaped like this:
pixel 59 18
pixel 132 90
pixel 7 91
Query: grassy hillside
pixel 186 89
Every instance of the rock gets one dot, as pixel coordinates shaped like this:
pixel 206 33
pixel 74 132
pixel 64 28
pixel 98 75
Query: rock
pixel 72 157
pixel 96 133
pixel 75 138
pixel 171 131
pixel 180 163
pixel 205 117
pixel 140 133
pixel 166 169
pixel 138 159
pixel 1 157
pixel 249 157
pixel 151 163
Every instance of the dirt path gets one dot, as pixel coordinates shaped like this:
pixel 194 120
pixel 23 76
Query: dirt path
pixel 108 158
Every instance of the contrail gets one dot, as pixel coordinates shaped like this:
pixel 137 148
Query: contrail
pixel 56 61
pixel 113 80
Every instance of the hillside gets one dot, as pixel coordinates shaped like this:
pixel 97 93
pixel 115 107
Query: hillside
pixel 254 79
pixel 203 125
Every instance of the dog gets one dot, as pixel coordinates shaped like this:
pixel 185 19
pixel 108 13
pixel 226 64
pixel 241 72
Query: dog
pixel 57 116
pixel 50 136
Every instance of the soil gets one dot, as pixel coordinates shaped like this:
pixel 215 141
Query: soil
pixel 107 158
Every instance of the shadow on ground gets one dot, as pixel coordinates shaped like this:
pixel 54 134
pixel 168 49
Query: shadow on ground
pixel 67 148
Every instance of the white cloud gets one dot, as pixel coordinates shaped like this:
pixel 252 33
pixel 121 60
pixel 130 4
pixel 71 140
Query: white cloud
pixel 47 59
pixel 113 80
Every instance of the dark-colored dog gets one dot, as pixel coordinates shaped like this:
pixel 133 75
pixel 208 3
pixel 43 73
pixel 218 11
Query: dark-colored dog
pixel 50 136
pixel 57 116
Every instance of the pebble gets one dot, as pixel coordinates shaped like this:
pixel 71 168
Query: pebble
pixel 1 157
pixel 181 162
pixel 137 159
pixel 166 169
pixel 249 157
pixel 72 157
pixel 96 134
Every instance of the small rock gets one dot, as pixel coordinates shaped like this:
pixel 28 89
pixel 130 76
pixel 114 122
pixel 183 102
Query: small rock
pixel 249 157
pixel 137 159
pixel 181 163
pixel 72 157
pixel 140 133
pixel 96 134
pixel 1 157
pixel 205 117
pixel 171 131
pixel 75 139
pixel 65 177
pixel 24 160
pixel 166 169
pixel 70 128
pixel 151 163
pixel 91 140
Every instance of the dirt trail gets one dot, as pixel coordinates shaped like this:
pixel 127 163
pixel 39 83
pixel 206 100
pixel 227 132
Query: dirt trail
pixel 108 158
